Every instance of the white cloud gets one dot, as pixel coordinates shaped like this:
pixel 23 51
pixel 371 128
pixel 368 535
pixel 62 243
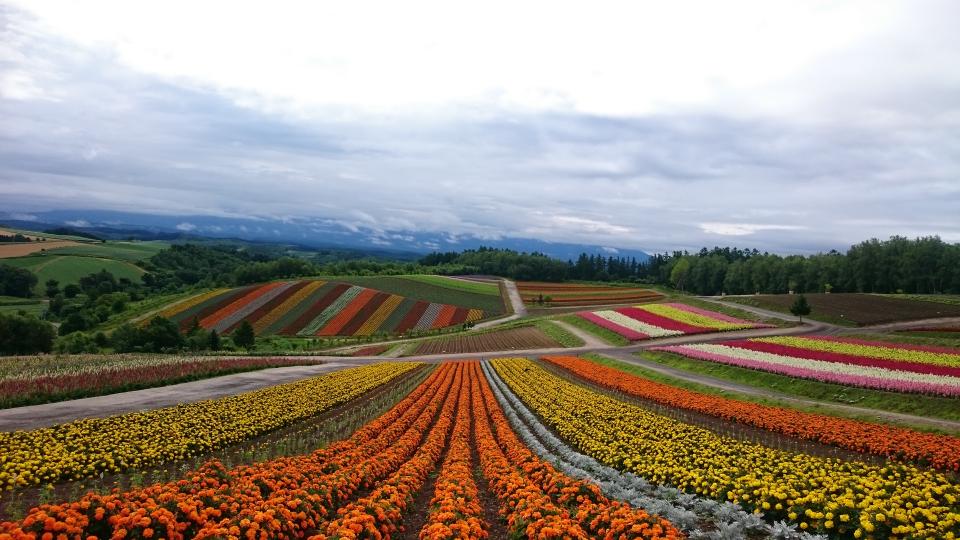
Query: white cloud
pixel 186 226
pixel 78 223
pixel 744 229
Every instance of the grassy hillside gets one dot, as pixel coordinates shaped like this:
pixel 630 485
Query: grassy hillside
pixel 69 269
pixel 123 251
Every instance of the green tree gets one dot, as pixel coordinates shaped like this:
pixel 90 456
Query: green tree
pixel 161 335
pixel 16 281
pixel 52 288
pixel 680 272
pixel 213 342
pixel 25 334
pixel 244 336
pixel 800 307
pixel 71 290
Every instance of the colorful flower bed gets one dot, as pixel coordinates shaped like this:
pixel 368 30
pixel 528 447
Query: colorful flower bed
pixel 879 365
pixel 663 320
pixel 89 447
pixel 315 308
pixel 578 294
pixel 29 380
pixel 831 496
pixel 939 451
pixel 363 487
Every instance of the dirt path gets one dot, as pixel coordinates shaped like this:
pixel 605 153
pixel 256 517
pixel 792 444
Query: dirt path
pixel 730 386
pixel 48 414
pixel 589 340
pixel 516 301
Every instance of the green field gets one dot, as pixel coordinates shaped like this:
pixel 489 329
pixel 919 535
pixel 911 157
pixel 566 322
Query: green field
pixel 123 251
pixel 69 269
pixel 456 284
pixel 427 291
pixel 13 304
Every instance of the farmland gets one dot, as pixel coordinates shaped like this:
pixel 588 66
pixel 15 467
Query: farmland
pixel 524 338
pixel 317 308
pixel 581 295
pixel 453 423
pixel 68 269
pixel 856 309
pixel 663 320
pixel 432 289
pixel 27 380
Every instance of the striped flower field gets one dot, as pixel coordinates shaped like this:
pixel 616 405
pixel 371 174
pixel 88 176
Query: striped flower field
pixel 664 320
pixel 316 308
pixel 852 362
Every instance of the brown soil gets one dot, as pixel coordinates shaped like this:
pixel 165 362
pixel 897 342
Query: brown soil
pixel 10 250
pixel 860 309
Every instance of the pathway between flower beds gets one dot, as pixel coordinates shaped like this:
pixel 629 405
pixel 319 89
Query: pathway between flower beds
pixel 48 414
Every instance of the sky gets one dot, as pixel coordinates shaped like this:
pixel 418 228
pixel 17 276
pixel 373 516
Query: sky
pixel 786 126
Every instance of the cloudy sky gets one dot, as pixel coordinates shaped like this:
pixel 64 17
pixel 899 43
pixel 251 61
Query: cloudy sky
pixel 789 126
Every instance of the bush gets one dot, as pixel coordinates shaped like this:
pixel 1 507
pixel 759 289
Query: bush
pixel 24 334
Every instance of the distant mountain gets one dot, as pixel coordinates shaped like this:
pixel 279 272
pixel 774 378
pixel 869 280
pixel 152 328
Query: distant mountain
pixel 316 234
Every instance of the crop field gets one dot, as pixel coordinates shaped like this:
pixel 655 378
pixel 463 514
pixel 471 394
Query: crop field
pixel 524 338
pixel 856 309
pixel 472 286
pixel 316 308
pixel 663 320
pixel 26 380
pixel 839 497
pixel 582 295
pixel 447 461
pixel 434 289
pixel 848 361
pixel 68 269
pixel 124 251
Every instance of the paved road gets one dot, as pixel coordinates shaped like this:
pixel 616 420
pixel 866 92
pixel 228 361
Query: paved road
pixel 730 386
pixel 48 414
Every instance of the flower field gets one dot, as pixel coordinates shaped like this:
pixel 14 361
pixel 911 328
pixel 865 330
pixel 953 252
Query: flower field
pixel 364 486
pixel 528 337
pixel 88 447
pixel 664 320
pixel 938 451
pixel 316 308
pixel 26 380
pixel 830 496
pixel 580 295
pixel 853 362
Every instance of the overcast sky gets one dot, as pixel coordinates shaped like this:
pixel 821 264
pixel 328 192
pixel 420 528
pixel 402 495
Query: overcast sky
pixel 789 126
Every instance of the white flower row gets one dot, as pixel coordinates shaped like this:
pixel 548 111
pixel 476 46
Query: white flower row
pixel 633 324
pixel 336 307
pixel 684 510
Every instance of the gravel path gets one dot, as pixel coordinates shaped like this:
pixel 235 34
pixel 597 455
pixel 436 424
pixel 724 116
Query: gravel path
pixel 48 414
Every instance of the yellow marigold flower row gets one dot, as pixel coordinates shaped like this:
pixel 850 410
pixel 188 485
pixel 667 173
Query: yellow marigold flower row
pixel 886 351
pixel 831 496
pixel 190 302
pixel 88 447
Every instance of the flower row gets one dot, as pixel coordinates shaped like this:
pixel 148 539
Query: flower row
pixel 286 497
pixel 845 373
pixel 92 446
pixel 97 375
pixel 939 451
pixel 539 501
pixel 313 307
pixel 877 350
pixel 664 320
pixel 819 494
